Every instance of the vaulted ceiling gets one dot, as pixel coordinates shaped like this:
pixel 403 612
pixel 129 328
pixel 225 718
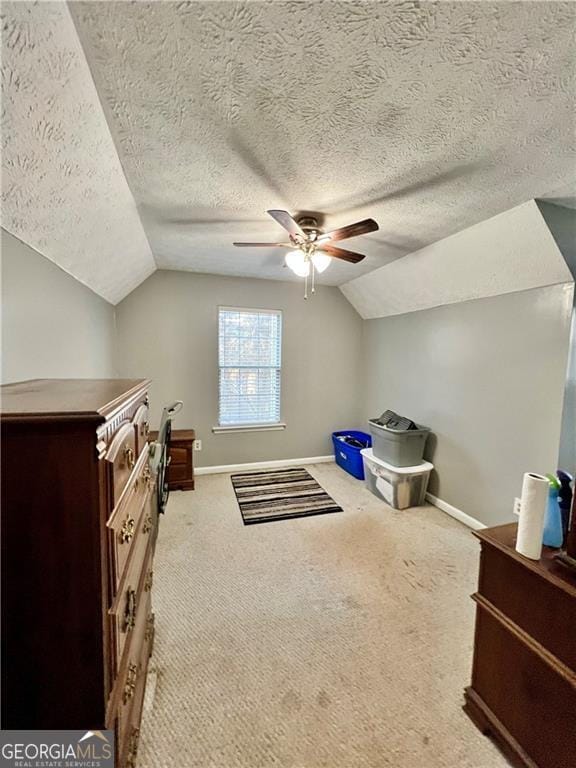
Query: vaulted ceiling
pixel 429 117
pixel 63 189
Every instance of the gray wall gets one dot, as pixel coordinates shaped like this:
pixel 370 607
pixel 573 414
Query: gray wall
pixel 488 377
pixel 167 330
pixel 567 456
pixel 562 224
pixel 52 325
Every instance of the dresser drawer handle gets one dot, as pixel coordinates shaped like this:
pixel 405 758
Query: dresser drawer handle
pixel 133 748
pixel 148 521
pixel 130 612
pixel 127 531
pixel 130 685
pixel 148 581
pixel 143 478
pixel 149 629
pixel 147 476
pixel 129 456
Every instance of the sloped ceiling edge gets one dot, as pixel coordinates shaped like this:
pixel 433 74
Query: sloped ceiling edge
pixel 64 192
pixel 513 251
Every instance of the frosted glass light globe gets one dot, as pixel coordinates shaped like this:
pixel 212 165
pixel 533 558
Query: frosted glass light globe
pixel 298 263
pixel 321 261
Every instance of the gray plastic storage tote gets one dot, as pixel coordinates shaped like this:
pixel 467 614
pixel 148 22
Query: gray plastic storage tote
pixel 400 447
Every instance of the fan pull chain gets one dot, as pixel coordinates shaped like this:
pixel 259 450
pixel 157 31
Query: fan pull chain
pixel 306 287
pixel 313 277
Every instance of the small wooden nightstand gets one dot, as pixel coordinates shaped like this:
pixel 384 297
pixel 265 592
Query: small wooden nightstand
pixel 181 468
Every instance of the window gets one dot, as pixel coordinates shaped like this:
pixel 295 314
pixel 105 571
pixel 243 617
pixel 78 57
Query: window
pixel 249 349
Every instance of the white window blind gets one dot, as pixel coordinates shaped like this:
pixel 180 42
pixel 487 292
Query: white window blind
pixel 249 352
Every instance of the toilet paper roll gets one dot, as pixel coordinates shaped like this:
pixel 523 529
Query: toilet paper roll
pixel 532 510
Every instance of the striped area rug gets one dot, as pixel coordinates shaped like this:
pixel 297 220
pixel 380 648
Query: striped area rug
pixel 280 494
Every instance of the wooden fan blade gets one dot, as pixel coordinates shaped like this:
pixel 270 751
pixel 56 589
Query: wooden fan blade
pixel 352 230
pixel 263 245
pixel 340 253
pixel 285 220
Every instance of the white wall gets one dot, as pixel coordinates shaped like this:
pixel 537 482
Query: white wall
pixel 52 325
pixel 167 330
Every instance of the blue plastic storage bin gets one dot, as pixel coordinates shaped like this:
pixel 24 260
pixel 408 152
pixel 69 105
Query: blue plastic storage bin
pixel 348 456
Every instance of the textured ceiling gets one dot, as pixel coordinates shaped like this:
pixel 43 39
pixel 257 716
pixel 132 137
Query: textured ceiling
pixel 63 189
pixel 429 117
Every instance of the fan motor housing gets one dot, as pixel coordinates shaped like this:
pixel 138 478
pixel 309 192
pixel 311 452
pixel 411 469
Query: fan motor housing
pixel 308 224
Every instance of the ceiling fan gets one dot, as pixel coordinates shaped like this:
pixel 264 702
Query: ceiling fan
pixel 311 249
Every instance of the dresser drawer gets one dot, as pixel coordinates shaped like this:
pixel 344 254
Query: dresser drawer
pixel 121 460
pixel 128 750
pixel 141 427
pixel 522 687
pixel 126 695
pixel 133 673
pixel 132 596
pixel 136 714
pixel 177 473
pixel 178 455
pixel 535 604
pixel 181 452
pixel 151 511
pixel 126 520
pixel 128 722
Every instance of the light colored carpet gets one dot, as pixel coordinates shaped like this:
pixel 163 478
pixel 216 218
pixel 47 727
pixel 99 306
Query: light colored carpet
pixel 336 641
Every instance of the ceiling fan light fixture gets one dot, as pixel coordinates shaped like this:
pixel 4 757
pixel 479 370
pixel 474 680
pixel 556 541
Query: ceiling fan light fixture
pixel 298 263
pixel 321 261
pixel 312 250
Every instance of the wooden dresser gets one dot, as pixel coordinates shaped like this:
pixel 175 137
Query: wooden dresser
pixel 181 452
pixel 523 689
pixel 79 525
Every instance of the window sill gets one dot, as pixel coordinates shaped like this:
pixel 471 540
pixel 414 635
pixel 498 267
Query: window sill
pixel 249 428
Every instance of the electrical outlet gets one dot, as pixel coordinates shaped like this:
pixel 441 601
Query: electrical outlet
pixel 197 445
pixel 516 508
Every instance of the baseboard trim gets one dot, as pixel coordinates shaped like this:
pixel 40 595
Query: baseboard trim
pixel 456 513
pixel 224 468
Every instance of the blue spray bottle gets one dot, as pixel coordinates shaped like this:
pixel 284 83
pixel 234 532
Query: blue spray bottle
pixel 553 529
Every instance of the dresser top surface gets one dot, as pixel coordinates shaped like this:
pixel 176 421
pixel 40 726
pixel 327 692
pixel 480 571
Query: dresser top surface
pixel 67 398
pixel 504 538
